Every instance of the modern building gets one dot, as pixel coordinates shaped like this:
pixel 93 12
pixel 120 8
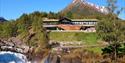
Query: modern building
pixel 87 25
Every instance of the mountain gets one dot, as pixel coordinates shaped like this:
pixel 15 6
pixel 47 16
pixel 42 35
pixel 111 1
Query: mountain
pixel 84 8
pixel 2 19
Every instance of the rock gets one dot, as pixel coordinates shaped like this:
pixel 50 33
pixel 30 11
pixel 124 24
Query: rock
pixel 13 44
pixel 15 41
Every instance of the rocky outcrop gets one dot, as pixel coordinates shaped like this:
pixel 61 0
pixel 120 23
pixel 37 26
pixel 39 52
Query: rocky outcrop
pixel 13 44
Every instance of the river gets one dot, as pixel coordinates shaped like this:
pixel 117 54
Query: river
pixel 12 57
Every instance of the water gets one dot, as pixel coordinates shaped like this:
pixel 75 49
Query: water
pixel 12 57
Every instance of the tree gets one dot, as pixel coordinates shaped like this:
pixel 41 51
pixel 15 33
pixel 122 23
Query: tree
pixel 40 38
pixel 52 15
pixel 69 15
pixel 111 31
pixel 6 30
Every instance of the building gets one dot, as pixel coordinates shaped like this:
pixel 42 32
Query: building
pixel 87 25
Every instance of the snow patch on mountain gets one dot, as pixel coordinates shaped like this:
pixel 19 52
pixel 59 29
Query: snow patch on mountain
pixel 101 9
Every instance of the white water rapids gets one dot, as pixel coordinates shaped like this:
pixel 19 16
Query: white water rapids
pixel 12 57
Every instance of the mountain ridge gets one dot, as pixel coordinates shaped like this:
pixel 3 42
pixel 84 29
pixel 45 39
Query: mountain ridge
pixel 84 8
pixel 101 9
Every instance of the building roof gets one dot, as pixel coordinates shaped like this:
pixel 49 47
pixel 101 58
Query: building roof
pixel 72 20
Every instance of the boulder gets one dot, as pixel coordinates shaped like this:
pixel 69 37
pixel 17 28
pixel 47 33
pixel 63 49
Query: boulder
pixel 13 44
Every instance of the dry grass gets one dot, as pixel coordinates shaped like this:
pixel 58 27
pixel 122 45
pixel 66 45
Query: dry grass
pixel 84 56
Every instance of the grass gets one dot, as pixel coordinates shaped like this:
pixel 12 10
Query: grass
pixel 95 49
pixel 86 38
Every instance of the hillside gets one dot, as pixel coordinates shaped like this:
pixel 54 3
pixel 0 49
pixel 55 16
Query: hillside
pixel 27 28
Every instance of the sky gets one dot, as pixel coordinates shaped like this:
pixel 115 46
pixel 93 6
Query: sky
pixel 13 9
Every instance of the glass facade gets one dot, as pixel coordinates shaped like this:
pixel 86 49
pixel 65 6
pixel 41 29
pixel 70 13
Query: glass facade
pixel 74 22
pixel 85 22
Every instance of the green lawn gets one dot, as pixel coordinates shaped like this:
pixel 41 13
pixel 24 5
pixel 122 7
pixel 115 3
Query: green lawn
pixel 95 49
pixel 86 38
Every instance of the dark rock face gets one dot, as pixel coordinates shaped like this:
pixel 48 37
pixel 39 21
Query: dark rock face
pixel 2 19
